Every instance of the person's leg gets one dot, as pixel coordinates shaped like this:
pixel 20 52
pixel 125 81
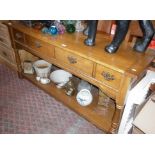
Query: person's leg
pixel 121 31
pixel 148 32
pixel 92 28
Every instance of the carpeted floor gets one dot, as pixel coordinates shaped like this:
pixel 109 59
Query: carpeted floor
pixel 24 108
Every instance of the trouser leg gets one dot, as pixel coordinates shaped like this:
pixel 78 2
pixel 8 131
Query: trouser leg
pixel 92 28
pixel 148 32
pixel 121 31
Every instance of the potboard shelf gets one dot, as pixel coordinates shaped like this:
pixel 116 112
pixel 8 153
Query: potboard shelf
pixel 99 115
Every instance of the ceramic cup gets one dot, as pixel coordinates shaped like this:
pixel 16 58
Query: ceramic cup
pixel 45 80
pixel 38 78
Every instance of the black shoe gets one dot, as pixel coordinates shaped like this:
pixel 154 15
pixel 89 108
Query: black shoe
pixel 89 42
pixel 141 45
pixel 111 48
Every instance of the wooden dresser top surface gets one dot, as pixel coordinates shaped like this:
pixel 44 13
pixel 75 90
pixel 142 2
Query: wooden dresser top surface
pixel 125 60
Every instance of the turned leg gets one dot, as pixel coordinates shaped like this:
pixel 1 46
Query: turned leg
pixel 19 66
pixel 120 104
pixel 20 75
pixel 92 28
pixel 116 120
pixel 17 57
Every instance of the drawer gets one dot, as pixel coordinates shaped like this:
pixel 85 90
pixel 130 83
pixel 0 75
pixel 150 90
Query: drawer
pixel 79 63
pixel 4 30
pixel 7 53
pixel 42 49
pixel 108 76
pixel 18 36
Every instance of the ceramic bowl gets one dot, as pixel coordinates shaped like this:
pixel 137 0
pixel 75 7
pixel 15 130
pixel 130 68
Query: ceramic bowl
pixel 60 76
pixel 42 68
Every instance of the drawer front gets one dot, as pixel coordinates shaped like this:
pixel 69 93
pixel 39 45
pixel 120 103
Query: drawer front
pixel 4 30
pixel 7 53
pixel 108 76
pixel 18 36
pixel 42 49
pixel 79 63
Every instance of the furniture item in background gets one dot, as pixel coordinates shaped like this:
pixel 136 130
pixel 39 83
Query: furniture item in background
pixel 145 119
pixel 136 96
pixel 105 26
pixel 7 54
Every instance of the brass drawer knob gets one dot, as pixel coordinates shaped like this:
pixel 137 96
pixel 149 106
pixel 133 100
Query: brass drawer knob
pixel 72 60
pixel 107 76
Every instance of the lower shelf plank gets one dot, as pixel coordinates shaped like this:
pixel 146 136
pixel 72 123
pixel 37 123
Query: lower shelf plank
pixel 98 115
